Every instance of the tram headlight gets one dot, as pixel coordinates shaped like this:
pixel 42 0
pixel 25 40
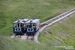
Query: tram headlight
pixel 19 29
pixel 15 29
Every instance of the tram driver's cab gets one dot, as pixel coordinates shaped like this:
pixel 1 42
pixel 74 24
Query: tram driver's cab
pixel 19 27
pixel 32 26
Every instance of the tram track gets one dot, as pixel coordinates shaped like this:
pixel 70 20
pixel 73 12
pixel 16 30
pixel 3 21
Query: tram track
pixel 46 24
pixel 51 21
pixel 58 17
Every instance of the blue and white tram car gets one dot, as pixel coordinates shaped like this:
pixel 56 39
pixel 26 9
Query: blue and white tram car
pixel 19 27
pixel 32 26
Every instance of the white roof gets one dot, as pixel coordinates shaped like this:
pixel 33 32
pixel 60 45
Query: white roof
pixel 33 21
pixel 21 21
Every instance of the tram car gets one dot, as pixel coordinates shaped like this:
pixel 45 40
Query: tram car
pixel 19 27
pixel 32 26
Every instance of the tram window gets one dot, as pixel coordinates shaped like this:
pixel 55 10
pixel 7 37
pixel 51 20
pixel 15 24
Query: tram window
pixel 18 24
pixel 21 25
pixel 34 24
pixel 28 25
pixel 15 25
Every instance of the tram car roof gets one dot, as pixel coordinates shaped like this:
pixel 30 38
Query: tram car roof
pixel 33 21
pixel 21 21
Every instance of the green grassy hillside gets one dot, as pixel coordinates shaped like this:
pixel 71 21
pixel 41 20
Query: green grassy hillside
pixel 62 31
pixel 11 10
pixel 6 43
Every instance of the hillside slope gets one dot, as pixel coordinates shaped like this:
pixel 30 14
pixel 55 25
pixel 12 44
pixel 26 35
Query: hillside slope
pixel 6 43
pixel 62 31
pixel 11 10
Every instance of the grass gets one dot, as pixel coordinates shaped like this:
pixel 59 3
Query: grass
pixel 6 43
pixel 64 29
pixel 42 9
pixel 11 10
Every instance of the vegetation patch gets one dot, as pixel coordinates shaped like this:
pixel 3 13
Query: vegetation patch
pixel 62 31
pixel 12 10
